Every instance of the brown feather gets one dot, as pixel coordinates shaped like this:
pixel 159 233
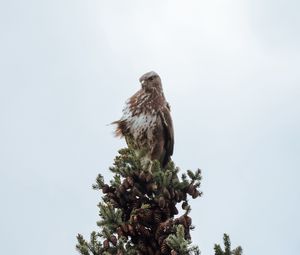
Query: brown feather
pixel 168 134
pixel 121 128
pixel 146 122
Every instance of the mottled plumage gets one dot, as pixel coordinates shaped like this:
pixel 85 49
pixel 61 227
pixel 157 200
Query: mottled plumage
pixel 146 123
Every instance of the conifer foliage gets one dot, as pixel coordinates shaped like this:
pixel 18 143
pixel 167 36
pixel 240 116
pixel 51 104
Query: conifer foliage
pixel 139 211
pixel 227 250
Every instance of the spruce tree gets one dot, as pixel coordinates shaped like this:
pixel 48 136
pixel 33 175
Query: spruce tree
pixel 139 211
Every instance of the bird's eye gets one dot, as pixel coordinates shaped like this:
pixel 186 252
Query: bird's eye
pixel 151 79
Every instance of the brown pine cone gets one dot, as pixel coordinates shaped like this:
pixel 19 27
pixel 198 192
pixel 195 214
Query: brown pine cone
pixel 145 216
pixel 105 189
pixel 174 210
pixel 131 230
pixel 149 177
pixel 119 252
pixel 182 221
pixel 172 193
pixel 143 230
pixel 166 193
pixel 153 243
pixel 164 228
pixel 164 248
pixel 151 187
pixel 113 239
pixel 191 189
pixel 161 202
pixel 179 196
pixel 184 205
pixel 161 239
pixel 122 189
pixel 136 192
pixel 130 181
pixel 150 251
pixel 196 194
pixel 106 244
pixel 120 232
pixel 134 219
pixel 188 220
pixel 142 176
pixel 166 213
pixel 142 247
pixel 125 228
pixel 157 216
pixel 126 184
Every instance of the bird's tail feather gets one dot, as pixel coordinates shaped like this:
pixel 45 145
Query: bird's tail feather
pixel 121 126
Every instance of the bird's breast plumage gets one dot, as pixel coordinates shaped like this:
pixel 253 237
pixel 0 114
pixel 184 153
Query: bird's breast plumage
pixel 141 117
pixel 146 122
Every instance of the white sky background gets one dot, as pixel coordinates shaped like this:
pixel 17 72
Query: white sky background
pixel 230 71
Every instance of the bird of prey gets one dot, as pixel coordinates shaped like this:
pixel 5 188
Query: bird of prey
pixel 146 123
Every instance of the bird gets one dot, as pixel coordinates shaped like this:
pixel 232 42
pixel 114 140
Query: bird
pixel 146 123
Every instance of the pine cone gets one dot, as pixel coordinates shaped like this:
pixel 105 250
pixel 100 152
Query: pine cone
pixel 172 193
pixel 150 251
pixel 146 216
pixel 182 221
pixel 191 189
pixel 184 205
pixel 106 244
pixel 130 181
pixel 105 189
pixel 161 239
pixel 122 189
pixel 126 184
pixel 188 220
pixel 166 193
pixel 134 219
pixel 153 243
pixel 136 192
pixel 131 230
pixel 142 176
pixel 113 239
pixel 119 252
pixel 149 177
pixel 157 216
pixel 164 228
pixel 196 194
pixel 120 232
pixel 174 210
pixel 179 196
pixel 161 202
pixel 143 230
pixel 164 248
pixel 151 187
pixel 125 228
pixel 142 247
pixel 166 213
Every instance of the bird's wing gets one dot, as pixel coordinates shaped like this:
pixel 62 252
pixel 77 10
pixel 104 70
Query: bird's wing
pixel 168 133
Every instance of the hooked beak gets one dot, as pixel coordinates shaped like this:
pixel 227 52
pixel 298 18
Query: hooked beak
pixel 142 81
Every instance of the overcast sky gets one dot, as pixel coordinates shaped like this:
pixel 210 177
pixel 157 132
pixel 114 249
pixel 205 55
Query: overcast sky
pixel 230 71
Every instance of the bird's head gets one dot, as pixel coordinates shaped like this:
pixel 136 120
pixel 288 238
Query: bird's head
pixel 151 81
